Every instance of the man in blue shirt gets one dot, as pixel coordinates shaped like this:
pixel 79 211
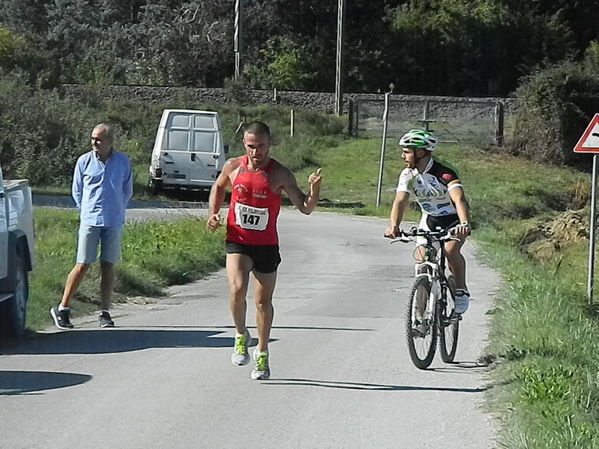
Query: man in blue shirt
pixel 102 186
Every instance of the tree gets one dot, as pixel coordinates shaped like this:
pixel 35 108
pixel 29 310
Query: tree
pixel 283 64
pixel 476 47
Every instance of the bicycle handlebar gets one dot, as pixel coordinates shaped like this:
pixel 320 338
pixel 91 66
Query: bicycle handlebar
pixel 440 234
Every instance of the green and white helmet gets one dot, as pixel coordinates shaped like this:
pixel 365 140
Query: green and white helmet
pixel 418 138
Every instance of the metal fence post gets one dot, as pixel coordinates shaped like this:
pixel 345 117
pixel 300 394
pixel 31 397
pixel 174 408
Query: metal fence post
pixel 499 120
pixel 350 118
pixel 356 118
pixel 382 162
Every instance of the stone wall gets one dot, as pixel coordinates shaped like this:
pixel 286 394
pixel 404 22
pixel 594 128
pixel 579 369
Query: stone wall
pixel 317 101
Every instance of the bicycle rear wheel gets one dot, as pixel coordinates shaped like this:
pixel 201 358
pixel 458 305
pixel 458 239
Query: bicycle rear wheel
pixel 421 331
pixel 449 323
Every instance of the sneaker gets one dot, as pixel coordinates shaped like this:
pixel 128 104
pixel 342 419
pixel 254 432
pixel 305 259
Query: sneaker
pixel 241 355
pixel 261 371
pixel 420 330
pixel 105 320
pixel 462 300
pixel 61 318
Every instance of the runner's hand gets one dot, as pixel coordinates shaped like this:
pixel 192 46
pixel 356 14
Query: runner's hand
pixel 315 178
pixel 213 222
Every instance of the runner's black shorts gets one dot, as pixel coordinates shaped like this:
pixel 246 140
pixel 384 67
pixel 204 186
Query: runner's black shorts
pixel 266 258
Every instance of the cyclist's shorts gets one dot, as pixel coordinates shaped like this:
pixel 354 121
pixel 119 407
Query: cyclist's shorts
pixel 431 223
pixel 266 258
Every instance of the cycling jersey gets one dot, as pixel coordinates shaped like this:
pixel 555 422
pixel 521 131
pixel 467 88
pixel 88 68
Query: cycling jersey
pixel 254 208
pixel 431 187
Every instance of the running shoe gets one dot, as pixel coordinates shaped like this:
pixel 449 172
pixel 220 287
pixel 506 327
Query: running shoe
pixel 261 371
pixel 105 320
pixel 61 318
pixel 241 355
pixel 462 301
pixel 420 330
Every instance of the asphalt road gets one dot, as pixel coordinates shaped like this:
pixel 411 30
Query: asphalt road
pixel 341 374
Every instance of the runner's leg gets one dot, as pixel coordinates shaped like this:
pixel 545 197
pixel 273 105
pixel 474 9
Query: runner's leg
pixel 263 291
pixel 238 270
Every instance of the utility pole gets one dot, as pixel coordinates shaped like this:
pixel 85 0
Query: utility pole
pixel 339 59
pixel 237 39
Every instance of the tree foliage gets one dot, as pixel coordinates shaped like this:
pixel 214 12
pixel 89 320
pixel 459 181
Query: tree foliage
pixel 452 47
pixel 554 107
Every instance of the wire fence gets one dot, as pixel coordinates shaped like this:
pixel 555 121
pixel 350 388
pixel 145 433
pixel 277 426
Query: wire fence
pixel 451 119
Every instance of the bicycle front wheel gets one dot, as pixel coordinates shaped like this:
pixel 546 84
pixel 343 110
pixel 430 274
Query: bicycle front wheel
pixel 449 323
pixel 421 331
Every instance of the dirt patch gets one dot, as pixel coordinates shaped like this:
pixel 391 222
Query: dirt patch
pixel 543 240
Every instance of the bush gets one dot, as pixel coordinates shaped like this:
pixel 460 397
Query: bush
pixel 41 135
pixel 554 106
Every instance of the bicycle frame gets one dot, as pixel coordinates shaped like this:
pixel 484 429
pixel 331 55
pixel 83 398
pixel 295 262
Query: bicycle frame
pixel 433 270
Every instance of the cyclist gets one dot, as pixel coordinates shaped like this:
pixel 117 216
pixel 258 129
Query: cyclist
pixel 441 198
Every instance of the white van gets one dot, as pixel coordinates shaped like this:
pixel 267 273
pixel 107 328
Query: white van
pixel 189 152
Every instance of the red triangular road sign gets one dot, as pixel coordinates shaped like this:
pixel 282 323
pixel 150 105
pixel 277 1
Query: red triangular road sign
pixel 589 142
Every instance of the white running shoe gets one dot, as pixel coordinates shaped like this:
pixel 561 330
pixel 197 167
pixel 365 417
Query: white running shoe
pixel 462 301
pixel 241 355
pixel 261 371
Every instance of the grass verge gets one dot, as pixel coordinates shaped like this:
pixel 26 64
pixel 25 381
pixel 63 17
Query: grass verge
pixel 543 350
pixel 155 255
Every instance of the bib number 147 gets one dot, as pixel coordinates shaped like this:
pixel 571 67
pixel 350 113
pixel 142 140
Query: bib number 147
pixel 252 218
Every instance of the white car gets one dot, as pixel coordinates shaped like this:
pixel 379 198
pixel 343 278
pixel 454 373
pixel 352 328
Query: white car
pixel 16 254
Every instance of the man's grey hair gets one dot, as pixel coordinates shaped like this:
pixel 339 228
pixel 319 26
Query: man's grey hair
pixel 109 130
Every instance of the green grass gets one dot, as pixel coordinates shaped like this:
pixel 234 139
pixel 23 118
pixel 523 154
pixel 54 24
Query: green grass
pixel 155 255
pixel 543 349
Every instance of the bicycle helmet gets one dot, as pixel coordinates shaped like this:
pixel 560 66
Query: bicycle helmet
pixel 418 138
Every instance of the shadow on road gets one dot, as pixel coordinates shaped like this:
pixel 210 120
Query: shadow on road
pixel 318 328
pixel 22 382
pixel 460 368
pixel 365 386
pixel 116 340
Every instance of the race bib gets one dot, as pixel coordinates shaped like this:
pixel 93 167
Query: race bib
pixel 252 218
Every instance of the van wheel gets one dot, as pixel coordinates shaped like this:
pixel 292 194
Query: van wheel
pixel 13 311
pixel 154 186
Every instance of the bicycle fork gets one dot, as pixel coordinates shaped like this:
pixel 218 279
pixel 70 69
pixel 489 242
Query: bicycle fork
pixel 429 270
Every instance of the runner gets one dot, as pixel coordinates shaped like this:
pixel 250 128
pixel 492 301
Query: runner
pixel 252 245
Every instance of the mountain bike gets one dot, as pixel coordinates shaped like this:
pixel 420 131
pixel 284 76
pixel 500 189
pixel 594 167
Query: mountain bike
pixel 430 312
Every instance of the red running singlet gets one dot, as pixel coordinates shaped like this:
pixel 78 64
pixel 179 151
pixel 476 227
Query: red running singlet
pixel 254 208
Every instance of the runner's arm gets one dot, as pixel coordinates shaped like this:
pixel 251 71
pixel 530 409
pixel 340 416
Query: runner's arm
pixel 305 203
pixel 217 194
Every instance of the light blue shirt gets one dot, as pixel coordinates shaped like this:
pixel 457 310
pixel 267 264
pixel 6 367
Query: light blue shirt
pixel 102 190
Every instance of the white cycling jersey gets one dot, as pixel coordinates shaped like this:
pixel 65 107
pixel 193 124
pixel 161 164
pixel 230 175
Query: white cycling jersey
pixel 431 187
